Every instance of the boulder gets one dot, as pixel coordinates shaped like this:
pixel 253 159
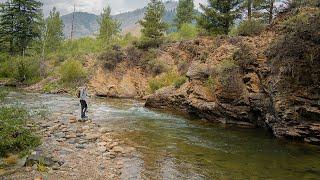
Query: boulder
pixel 39 159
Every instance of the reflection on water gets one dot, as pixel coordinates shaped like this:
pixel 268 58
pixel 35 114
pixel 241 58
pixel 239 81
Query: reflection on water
pixel 174 147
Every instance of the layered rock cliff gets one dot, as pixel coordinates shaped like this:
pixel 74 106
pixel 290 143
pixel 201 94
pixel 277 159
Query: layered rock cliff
pixel 254 81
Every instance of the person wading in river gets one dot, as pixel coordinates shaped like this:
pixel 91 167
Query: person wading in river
pixel 82 94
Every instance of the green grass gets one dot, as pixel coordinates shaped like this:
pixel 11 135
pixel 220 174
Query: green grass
pixel 168 79
pixel 3 94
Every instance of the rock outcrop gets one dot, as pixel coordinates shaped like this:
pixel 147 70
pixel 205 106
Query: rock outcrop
pixel 246 92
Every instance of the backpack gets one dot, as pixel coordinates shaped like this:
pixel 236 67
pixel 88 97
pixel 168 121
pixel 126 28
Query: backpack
pixel 78 93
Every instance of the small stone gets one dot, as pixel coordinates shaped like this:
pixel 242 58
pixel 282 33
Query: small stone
pixel 72 135
pixel 102 144
pixel 85 128
pixel 73 119
pixel 102 149
pixel 61 139
pixel 112 145
pixel 106 139
pixel 102 167
pixel 92 137
pixel 110 155
pixel 118 149
pixel 80 146
pixel 120 163
pixel 55 168
pixel 28 168
pixel 103 130
pixel 35 167
pixel 60 135
pixel 72 141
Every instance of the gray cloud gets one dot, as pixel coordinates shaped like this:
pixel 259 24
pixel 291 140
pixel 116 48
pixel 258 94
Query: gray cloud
pixel 95 6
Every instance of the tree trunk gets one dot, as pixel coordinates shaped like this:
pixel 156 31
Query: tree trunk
pixel 249 6
pixel 271 9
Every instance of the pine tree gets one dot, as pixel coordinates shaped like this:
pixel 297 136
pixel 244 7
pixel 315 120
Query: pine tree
pixel 109 28
pixel 153 26
pixel 219 15
pixel 20 24
pixel 185 12
pixel 255 8
pixel 7 23
pixel 54 31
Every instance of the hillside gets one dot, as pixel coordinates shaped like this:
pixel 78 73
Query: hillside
pixel 86 23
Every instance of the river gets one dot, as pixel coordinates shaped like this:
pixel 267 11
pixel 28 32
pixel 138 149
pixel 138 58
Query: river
pixel 176 147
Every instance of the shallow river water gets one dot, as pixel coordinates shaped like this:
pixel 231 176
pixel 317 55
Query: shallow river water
pixel 175 147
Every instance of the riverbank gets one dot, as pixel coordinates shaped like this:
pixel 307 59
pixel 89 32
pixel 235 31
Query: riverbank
pixel 74 150
pixel 70 149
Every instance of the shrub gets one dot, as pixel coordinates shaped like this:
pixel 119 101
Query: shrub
pixel 156 67
pixel 127 39
pixel 180 81
pixel 28 70
pixel 211 83
pixel 183 66
pixel 168 79
pixel 15 137
pixel 134 55
pixel 25 69
pixel 244 56
pixel 7 69
pixel 48 88
pixel 75 49
pixel 224 66
pixel 228 76
pixel 186 32
pixel 296 52
pixel 3 94
pixel 146 43
pixel 147 56
pixel 249 28
pixel 72 71
pixel 111 57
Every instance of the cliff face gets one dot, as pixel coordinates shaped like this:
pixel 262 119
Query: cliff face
pixel 247 93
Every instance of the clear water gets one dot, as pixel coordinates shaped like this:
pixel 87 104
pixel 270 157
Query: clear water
pixel 175 147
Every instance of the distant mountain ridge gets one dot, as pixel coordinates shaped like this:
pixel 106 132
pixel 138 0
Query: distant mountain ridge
pixel 85 24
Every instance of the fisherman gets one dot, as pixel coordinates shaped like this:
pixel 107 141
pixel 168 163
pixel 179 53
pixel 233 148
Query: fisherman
pixel 82 94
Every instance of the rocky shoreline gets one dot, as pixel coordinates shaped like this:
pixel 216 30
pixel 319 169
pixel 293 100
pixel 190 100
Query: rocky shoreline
pixel 72 150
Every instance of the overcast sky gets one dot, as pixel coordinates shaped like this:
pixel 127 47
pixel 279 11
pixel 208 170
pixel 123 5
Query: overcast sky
pixel 95 6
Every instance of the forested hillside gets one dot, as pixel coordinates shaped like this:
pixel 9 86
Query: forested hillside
pixel 85 24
